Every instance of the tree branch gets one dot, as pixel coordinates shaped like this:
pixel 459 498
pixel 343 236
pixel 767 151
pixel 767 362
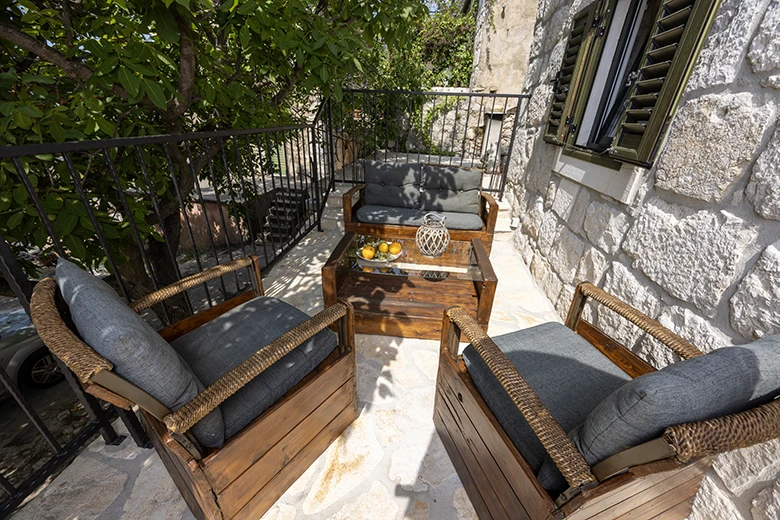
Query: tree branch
pixel 288 87
pixel 73 69
pixel 187 64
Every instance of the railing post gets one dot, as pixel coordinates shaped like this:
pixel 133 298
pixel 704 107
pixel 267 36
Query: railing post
pixel 331 150
pixel 315 176
pixel 509 152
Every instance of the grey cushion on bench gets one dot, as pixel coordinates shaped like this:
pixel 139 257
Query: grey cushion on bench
pixel 449 188
pixel 376 214
pixel 218 346
pixel 569 375
pixel 396 185
pixel 138 353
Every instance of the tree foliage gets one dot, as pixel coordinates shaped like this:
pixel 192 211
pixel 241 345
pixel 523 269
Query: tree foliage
pixel 93 69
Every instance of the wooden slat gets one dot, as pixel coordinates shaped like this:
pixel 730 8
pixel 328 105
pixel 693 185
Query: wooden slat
pixel 517 471
pixel 681 510
pixel 644 100
pixel 460 467
pixel 484 457
pixel 180 328
pixel 257 476
pixel 655 70
pixel 675 19
pixel 650 85
pixel 678 494
pixel 626 360
pixel 481 480
pixel 675 5
pixel 668 37
pixel 276 487
pixel 246 447
pixel 663 53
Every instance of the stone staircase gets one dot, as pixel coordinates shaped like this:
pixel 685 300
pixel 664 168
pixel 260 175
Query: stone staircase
pixel 285 214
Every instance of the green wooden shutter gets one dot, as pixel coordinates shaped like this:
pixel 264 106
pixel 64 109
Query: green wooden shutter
pixel 567 78
pixel 672 49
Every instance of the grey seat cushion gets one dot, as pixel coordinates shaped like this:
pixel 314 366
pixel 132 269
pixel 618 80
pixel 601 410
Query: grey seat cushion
pixel 376 214
pixel 391 184
pixel 448 188
pixel 218 346
pixel 138 353
pixel 570 376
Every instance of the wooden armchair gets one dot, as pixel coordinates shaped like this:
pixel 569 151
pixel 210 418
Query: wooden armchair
pixel 253 468
pixel 655 479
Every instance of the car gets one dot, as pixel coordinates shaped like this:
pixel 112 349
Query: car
pixel 22 353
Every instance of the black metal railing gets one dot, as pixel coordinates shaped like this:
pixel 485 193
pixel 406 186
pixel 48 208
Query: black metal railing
pixel 447 127
pixel 148 211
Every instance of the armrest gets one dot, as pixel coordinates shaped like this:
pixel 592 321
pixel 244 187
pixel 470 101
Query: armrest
pixel 196 279
pixel 560 447
pixel 714 436
pixel 489 210
pixel 346 201
pixel 196 409
pixel 587 290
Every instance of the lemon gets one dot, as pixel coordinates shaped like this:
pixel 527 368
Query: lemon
pixel 368 252
pixel 395 248
pixel 383 247
pixel 367 269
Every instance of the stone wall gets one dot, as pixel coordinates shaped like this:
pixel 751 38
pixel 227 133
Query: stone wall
pixel 698 247
pixel 503 37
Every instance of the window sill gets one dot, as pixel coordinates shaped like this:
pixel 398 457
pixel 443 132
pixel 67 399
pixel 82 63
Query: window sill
pixel 621 184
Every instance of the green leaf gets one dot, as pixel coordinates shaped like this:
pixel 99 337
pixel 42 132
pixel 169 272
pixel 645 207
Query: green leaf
pixel 166 24
pixel 76 246
pixel 40 237
pixel 324 74
pixel 22 120
pixel 6 108
pixel 140 68
pixel 57 132
pixel 20 194
pixel 155 93
pixel 65 223
pixel 129 81
pixel 29 111
pixel 107 66
pixel 15 220
pixel 357 64
pixel 247 7
pixel 45 80
pixel 244 36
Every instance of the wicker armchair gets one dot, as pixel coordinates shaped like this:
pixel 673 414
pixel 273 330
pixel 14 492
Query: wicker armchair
pixel 252 469
pixel 656 479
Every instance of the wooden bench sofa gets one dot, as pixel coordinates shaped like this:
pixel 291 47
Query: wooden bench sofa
pixel 396 197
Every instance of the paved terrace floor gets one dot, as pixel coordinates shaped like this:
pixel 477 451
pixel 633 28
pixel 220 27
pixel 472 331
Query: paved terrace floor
pixel 389 464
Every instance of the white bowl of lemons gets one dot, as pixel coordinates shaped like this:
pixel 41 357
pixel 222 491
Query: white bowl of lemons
pixel 380 251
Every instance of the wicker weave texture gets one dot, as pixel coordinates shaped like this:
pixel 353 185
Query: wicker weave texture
pixel 63 343
pixel 569 460
pixel 189 282
pixel 203 403
pixel 730 432
pixel 676 343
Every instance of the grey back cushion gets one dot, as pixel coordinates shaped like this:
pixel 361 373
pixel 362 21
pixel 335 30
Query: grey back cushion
pixel 448 188
pixel 139 354
pixel 396 185
pixel 726 381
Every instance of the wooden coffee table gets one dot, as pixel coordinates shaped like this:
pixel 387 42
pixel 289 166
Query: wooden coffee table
pixel 407 297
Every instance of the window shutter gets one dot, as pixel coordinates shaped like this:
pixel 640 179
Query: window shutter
pixel 567 78
pixel 672 49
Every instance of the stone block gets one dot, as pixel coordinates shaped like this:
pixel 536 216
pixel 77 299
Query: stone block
pixel 712 502
pixel 764 52
pixel 552 188
pixel 727 43
pixel 591 267
pixel 539 268
pixel 764 187
pixel 742 469
pixel 755 307
pixel 692 254
pixel 533 218
pixel 576 219
pixel 564 301
pixel 700 332
pixel 621 283
pixel 566 254
pixel 565 197
pixel 548 232
pixel 766 505
pixel 523 245
pixel 552 286
pixel 711 144
pixel 539 104
pixel 605 226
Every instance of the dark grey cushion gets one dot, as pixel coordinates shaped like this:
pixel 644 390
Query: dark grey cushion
pixel 138 353
pixel 725 381
pixel 373 214
pixel 570 376
pixel 391 184
pixel 218 346
pixel 449 188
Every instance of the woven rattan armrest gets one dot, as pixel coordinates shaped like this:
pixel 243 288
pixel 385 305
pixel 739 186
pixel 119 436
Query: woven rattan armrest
pixel 196 409
pixel 673 341
pixel 562 450
pixel 194 280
